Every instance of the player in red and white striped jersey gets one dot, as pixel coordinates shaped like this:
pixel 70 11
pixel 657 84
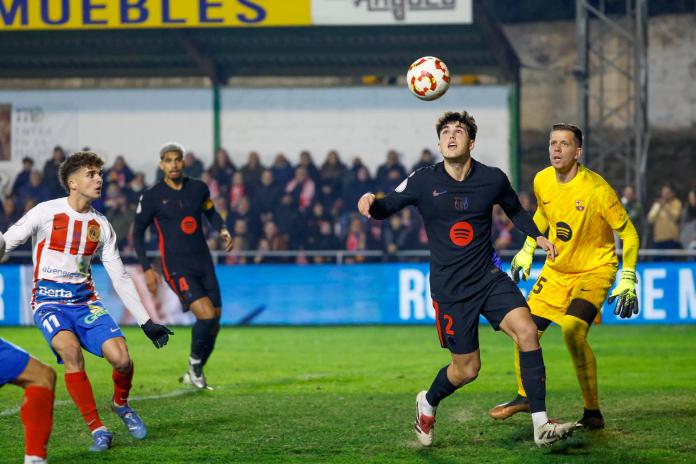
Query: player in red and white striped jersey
pixel 66 234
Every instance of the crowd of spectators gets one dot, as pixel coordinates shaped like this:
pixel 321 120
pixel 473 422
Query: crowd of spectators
pixel 309 206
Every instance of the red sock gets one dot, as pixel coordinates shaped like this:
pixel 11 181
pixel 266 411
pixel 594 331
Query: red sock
pixel 37 417
pixel 80 391
pixel 122 386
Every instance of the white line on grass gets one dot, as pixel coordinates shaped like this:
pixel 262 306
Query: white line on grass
pixel 172 394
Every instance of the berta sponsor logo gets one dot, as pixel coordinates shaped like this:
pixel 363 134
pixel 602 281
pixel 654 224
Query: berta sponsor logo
pixel 55 292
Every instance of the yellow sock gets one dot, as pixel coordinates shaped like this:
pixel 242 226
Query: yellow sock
pixel 575 335
pixel 518 375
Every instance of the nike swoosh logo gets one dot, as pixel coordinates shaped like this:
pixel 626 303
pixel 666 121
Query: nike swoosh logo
pixel 583 290
pixel 546 202
pixel 114 330
pixel 437 194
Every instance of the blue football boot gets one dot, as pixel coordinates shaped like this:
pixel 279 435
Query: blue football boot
pixel 134 424
pixel 102 441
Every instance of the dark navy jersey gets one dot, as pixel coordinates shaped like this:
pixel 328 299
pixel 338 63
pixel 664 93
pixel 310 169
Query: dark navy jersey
pixel 177 216
pixel 458 220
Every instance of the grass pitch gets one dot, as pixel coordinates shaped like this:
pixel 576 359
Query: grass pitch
pixel 347 394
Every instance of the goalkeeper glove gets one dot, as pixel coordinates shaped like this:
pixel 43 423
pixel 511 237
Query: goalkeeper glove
pixel 625 291
pixel 158 333
pixel 523 260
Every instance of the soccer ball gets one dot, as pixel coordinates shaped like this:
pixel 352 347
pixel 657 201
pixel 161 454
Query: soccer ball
pixel 428 78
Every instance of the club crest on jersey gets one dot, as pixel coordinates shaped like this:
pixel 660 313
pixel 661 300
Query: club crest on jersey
pixel 93 233
pixel 461 203
pixel 578 205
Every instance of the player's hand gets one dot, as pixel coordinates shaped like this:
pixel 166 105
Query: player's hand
pixel 158 333
pixel 364 204
pixel 152 280
pixel 625 291
pixel 227 241
pixel 522 261
pixel 546 245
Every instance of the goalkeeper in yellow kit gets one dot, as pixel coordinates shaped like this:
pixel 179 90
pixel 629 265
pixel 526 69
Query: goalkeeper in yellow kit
pixel 580 210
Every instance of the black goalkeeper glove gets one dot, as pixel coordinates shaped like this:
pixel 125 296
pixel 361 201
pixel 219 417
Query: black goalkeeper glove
pixel 158 333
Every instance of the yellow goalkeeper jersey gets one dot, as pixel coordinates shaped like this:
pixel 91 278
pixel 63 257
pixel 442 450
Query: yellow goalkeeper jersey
pixel 580 216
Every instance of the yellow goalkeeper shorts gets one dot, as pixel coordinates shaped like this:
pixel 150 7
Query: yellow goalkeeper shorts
pixel 553 291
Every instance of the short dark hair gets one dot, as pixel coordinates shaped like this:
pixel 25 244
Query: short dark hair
pixel 75 162
pixel 465 118
pixel 577 133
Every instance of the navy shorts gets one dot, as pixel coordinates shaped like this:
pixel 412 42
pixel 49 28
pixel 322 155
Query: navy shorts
pixel 192 281
pixel 457 323
pixel 91 323
pixel 13 361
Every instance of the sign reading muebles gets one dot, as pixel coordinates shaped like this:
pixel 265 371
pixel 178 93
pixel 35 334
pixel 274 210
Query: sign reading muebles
pixel 129 14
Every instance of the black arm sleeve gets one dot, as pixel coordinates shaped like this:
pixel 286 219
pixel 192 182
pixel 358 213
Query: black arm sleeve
pixel 210 212
pixel 143 218
pixel 407 193
pixel 508 200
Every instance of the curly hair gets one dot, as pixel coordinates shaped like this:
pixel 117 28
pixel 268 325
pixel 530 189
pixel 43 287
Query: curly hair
pixel 75 162
pixel 464 118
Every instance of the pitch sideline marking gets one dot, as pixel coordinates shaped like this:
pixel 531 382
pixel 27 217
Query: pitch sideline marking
pixel 172 394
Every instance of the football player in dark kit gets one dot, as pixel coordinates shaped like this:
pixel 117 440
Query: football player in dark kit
pixel 455 198
pixel 175 206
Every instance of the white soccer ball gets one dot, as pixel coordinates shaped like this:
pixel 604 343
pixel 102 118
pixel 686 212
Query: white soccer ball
pixel 428 78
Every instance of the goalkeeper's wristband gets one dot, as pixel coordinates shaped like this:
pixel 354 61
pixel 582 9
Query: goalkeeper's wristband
pixel 629 274
pixel 529 245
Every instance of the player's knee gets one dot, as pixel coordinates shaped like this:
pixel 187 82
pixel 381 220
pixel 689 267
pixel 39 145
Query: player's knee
pixel 527 337
pixel 39 374
pixel 574 332
pixel 71 354
pixel 121 362
pixel 464 374
pixel 47 377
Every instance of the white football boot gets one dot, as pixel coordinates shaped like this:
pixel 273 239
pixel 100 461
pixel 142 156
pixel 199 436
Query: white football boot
pixel 553 431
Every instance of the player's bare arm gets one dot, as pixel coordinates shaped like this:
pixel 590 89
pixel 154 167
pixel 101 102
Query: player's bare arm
pixel 152 280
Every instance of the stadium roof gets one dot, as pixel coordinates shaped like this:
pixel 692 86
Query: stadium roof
pixel 221 53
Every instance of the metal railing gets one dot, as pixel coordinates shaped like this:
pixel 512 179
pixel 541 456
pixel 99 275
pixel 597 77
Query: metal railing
pixel 345 256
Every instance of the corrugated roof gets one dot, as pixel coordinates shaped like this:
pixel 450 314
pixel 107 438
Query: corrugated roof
pixel 478 48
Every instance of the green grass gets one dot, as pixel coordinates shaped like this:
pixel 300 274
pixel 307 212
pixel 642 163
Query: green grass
pixel 346 395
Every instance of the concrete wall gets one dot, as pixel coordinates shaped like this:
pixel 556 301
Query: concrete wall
pixel 355 121
pixel 548 54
